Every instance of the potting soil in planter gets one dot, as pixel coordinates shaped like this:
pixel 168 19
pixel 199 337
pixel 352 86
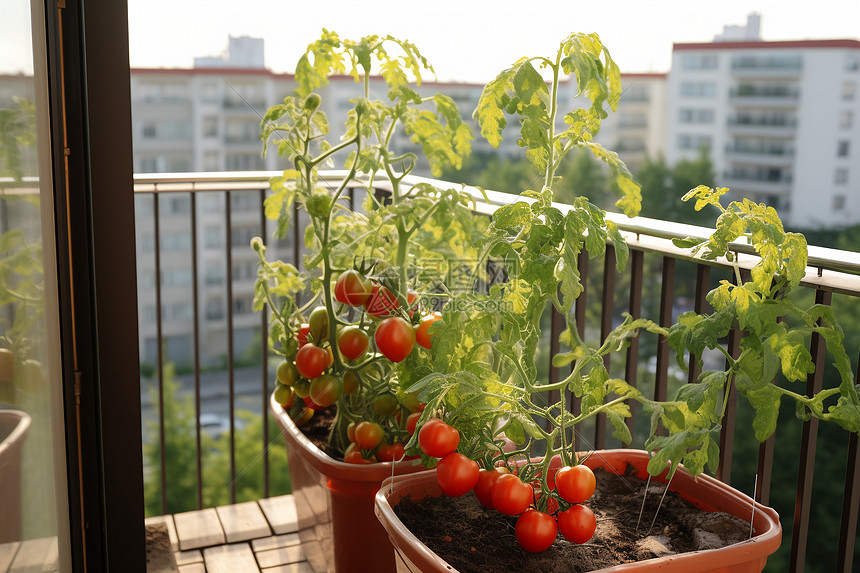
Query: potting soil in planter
pixel 474 539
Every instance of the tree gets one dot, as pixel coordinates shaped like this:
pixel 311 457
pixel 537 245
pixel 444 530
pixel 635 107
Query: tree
pixel 663 187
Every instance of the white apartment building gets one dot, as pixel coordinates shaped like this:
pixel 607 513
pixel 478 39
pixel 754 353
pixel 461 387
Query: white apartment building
pixel 781 121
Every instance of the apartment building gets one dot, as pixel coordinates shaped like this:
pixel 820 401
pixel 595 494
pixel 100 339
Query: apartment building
pixel 780 120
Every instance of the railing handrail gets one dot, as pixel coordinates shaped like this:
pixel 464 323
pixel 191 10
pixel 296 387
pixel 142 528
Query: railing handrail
pixel 828 268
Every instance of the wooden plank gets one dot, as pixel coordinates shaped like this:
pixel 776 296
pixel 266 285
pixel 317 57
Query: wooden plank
pixel 200 528
pixel 36 556
pixel 275 542
pixel 171 528
pixel 188 557
pixel 7 553
pixel 281 556
pixel 300 567
pixel 280 512
pixel 237 558
pixel 243 521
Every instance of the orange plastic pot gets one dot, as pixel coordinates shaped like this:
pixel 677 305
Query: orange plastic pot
pixel 706 493
pixel 334 505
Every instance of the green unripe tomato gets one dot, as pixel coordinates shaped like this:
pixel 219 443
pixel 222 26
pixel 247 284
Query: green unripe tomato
pixel 302 387
pixel 324 390
pixel 318 322
pixel 287 373
pixel 385 404
pixel 350 382
pixel 284 395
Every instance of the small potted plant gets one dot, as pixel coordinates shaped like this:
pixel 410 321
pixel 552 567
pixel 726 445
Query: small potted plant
pixel 481 420
pixel 365 284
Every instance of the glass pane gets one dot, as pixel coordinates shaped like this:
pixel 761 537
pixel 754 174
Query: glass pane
pixel 33 506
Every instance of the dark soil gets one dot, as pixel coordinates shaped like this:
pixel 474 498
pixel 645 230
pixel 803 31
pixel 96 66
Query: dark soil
pixel 318 428
pixel 474 539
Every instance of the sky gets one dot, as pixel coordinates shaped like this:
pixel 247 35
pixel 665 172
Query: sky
pixel 470 40
pixel 464 40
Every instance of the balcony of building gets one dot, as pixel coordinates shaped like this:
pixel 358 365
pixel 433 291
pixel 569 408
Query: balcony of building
pixel 767 66
pixel 250 525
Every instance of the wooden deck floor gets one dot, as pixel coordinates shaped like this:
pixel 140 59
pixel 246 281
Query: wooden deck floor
pixel 252 537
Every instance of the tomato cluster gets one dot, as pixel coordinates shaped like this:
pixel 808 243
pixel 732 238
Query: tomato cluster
pixel 499 489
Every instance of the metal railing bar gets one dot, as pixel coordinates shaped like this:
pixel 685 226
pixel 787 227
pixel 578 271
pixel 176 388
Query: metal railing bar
pixel 667 298
pixel 264 377
pixel 703 285
pixel 196 346
pixel 808 442
pixel 631 366
pixel 850 504
pixel 159 351
pixel 606 316
pixel 764 471
pixel 635 228
pixel 231 382
pixel 579 316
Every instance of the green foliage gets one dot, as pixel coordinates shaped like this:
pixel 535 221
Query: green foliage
pixel 662 185
pixel 181 464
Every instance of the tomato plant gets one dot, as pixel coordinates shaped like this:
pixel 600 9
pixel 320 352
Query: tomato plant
pixel 535 531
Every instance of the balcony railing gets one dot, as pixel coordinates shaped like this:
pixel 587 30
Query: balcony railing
pixel 660 282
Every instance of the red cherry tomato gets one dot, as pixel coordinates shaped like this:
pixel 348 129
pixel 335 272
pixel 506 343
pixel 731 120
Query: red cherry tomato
pixel 368 435
pixel 353 455
pixel 535 531
pixel 575 483
pixel 511 496
pixel 311 404
pixel 395 338
pixel 484 487
pixel 350 432
pixel 421 336
pixel 302 334
pixel 456 474
pixel 352 288
pixel 412 301
pixel 353 342
pixel 311 360
pixel 577 524
pixel 381 302
pixel 437 439
pixel 390 452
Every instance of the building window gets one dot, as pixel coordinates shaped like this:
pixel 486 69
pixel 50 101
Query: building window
pixel 698 89
pixel 838 202
pixel 211 161
pixel 213 237
pixel 843 148
pixel 214 309
pixel 209 92
pixel 846 119
pixel 245 162
pixel 633 120
pixel 149 130
pixel 694 141
pixel 848 90
pixel 852 63
pixel 699 62
pixel 148 165
pixel 841 176
pixel 243 305
pixel 241 236
pixel 210 127
pixel 696 116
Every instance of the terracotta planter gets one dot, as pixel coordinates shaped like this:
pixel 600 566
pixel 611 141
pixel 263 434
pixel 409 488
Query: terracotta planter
pixel 708 494
pixel 13 430
pixel 334 505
